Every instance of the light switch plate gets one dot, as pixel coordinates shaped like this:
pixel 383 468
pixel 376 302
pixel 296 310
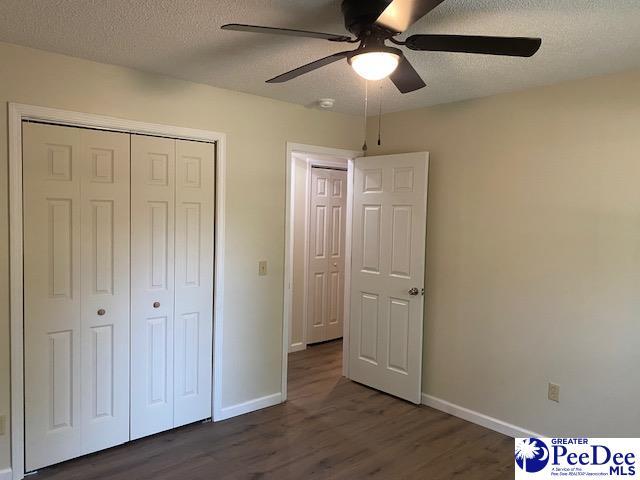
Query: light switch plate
pixel 262 268
pixel 554 392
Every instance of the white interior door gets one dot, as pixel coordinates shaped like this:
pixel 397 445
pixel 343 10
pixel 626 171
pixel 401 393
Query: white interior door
pixel 194 252
pixel 76 240
pixel 387 275
pixel 325 274
pixel 105 270
pixel 152 284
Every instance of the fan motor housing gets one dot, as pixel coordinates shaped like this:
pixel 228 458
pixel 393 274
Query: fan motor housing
pixel 360 17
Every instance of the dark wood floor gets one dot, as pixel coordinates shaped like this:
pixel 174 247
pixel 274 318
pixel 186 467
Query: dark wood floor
pixel 330 428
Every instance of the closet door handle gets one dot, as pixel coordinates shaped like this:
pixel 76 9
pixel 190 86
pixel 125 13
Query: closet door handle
pixel 101 312
pixel 156 304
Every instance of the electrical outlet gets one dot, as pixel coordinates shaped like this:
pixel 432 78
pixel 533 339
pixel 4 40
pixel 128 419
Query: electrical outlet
pixel 262 268
pixel 3 422
pixel 554 392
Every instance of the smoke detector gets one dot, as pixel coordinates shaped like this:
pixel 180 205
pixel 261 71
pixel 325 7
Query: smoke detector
pixel 326 102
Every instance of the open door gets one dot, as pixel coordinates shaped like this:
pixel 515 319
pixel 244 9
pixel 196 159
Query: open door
pixel 387 273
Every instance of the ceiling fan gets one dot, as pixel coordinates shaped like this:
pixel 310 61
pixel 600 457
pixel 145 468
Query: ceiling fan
pixel 373 22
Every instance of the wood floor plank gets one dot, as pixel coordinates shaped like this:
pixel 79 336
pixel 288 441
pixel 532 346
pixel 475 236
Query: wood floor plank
pixel 330 428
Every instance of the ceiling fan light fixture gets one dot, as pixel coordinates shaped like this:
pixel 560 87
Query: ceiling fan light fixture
pixel 373 23
pixel 375 65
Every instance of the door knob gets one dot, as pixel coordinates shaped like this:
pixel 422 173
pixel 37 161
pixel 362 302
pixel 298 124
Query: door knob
pixel 101 311
pixel 156 304
pixel 413 291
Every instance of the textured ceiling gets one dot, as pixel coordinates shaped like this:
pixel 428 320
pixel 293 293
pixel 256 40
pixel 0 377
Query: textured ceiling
pixel 181 38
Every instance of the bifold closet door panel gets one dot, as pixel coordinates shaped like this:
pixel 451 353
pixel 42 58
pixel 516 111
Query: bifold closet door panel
pixel 194 253
pixel 105 289
pixel 152 284
pixel 51 186
pixel 76 229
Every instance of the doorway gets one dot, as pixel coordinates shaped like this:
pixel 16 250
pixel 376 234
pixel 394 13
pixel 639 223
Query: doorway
pixel 384 274
pixel 317 247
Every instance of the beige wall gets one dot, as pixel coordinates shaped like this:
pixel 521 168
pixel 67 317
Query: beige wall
pixel 533 253
pixel 257 128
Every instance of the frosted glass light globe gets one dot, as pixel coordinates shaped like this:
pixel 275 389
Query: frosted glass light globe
pixel 375 65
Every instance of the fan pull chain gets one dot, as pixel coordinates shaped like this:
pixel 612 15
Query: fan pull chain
pixel 380 118
pixel 366 104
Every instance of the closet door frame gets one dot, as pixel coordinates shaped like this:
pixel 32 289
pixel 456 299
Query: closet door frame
pixel 21 112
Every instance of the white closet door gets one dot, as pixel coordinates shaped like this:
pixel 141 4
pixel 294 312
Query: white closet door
pixel 152 284
pixel 105 289
pixel 51 166
pixel 193 281
pixel 76 254
pixel 325 276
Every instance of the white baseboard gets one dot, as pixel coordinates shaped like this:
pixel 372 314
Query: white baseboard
pixel 477 417
pixel 5 474
pixel 250 406
pixel 296 347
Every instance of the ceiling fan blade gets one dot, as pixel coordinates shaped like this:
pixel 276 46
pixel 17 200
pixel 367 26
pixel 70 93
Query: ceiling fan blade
pixel 405 77
pixel 285 31
pixel 510 46
pixel 309 67
pixel 401 14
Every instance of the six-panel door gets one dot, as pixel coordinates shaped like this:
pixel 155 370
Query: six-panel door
pixel 325 275
pixel 76 291
pixel 387 276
